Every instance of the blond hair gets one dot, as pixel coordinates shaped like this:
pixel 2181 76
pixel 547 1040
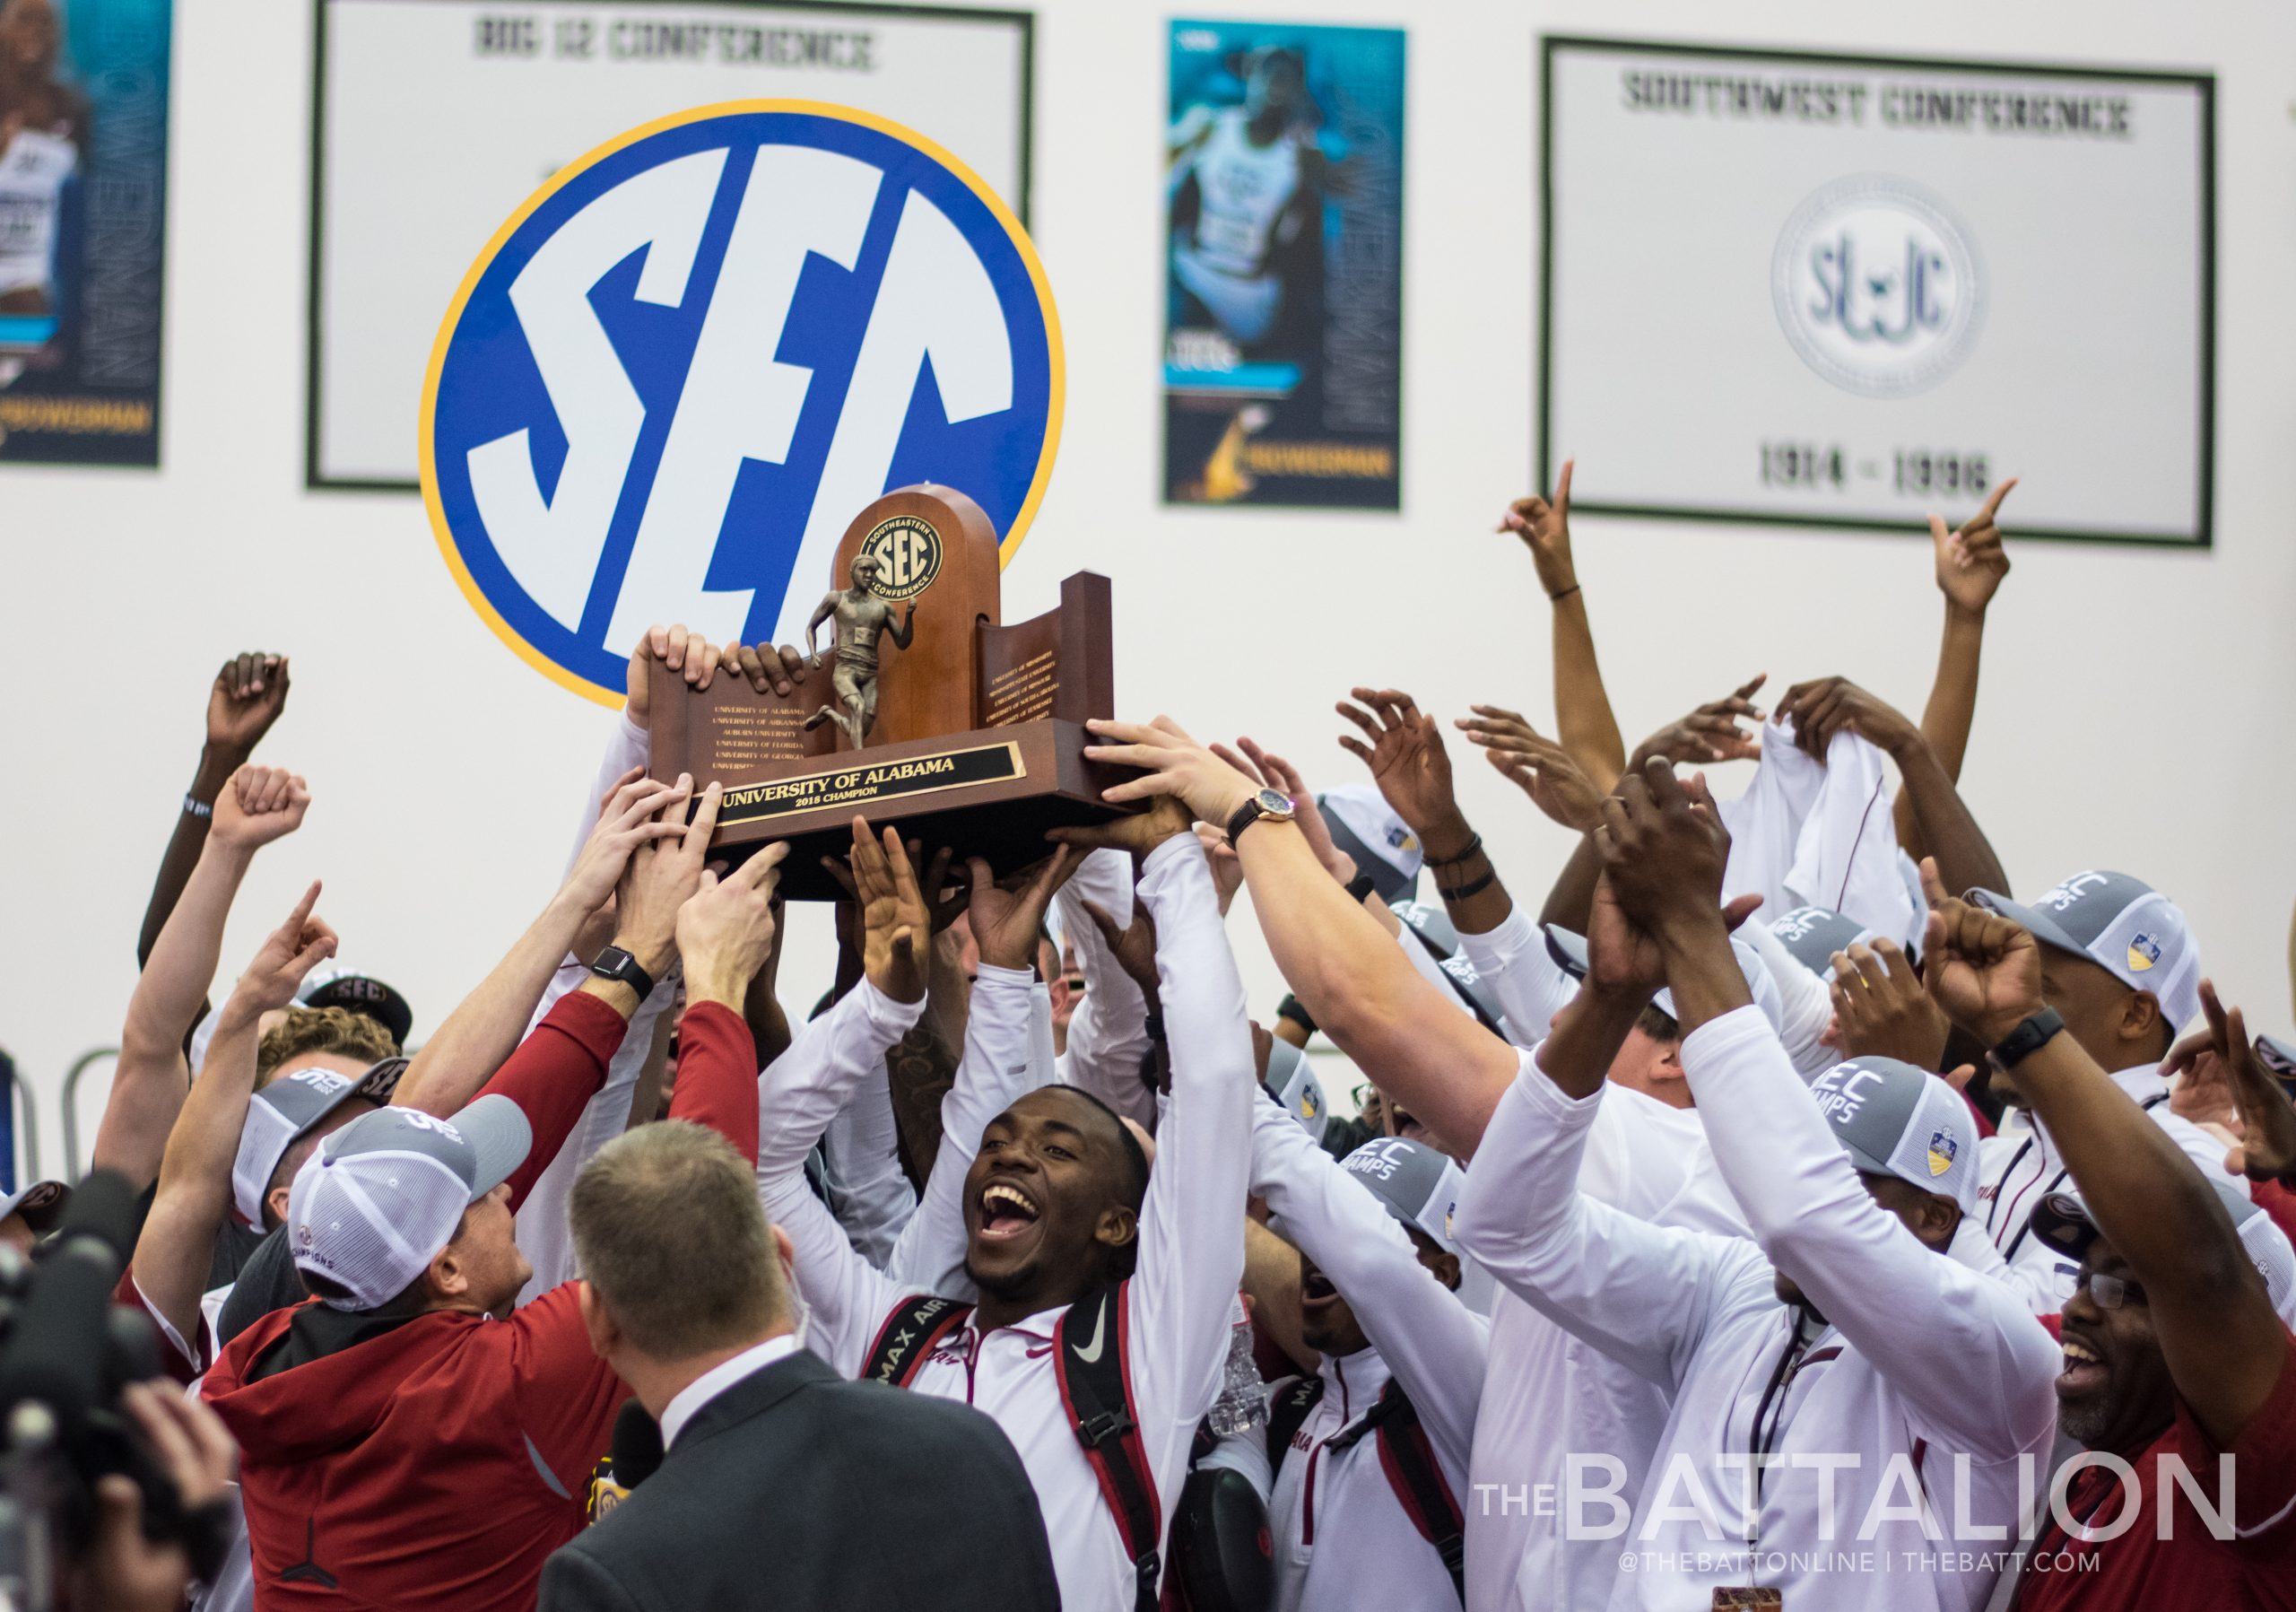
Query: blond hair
pixel 336 1030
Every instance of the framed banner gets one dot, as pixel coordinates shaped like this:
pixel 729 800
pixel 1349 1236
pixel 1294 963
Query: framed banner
pixel 83 189
pixel 1284 265
pixel 512 92
pixel 1844 290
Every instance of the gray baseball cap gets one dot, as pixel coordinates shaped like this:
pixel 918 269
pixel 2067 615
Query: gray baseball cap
pixel 2124 925
pixel 1812 934
pixel 1365 826
pixel 1417 1184
pixel 1894 1120
pixel 372 1207
pixel 290 1106
pixel 2062 1221
pixel 1292 1082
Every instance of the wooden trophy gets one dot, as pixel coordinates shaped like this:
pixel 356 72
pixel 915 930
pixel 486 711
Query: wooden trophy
pixel 925 710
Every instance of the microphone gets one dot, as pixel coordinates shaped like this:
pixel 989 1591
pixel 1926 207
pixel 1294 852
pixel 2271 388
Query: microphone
pixel 636 1445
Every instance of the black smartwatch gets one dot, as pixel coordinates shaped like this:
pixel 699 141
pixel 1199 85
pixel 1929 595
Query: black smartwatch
pixel 1271 804
pixel 2026 1038
pixel 615 964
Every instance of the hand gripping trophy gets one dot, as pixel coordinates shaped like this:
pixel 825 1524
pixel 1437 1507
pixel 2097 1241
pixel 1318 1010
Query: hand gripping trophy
pixel 861 619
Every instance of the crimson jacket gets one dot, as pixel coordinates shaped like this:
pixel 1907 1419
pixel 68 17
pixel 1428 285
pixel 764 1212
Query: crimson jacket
pixel 437 1461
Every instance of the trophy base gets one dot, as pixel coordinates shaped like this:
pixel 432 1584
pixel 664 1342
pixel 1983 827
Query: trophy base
pixel 990 793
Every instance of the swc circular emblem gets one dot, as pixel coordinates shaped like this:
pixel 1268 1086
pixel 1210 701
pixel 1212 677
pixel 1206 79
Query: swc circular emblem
pixel 674 375
pixel 907 552
pixel 1877 286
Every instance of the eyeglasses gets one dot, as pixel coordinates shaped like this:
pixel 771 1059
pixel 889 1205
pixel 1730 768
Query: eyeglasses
pixel 1365 1095
pixel 2111 1293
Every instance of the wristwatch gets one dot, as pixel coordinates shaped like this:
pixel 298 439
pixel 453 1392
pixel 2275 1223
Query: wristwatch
pixel 615 964
pixel 2026 1038
pixel 1271 804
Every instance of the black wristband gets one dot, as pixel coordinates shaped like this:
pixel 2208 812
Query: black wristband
pixel 2027 1039
pixel 1556 598
pixel 1360 888
pixel 1459 892
pixel 1154 1024
pixel 1290 1008
pixel 1474 844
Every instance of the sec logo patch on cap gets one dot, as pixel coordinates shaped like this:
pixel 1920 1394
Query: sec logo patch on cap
pixel 1943 1151
pixel 2143 952
pixel 676 374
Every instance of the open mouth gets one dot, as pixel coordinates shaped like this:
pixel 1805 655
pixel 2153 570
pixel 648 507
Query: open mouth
pixel 1406 1123
pixel 1006 1211
pixel 2085 1371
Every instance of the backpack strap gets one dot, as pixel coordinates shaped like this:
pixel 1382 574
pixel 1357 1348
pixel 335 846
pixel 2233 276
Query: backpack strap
pixel 1093 1361
pixel 1288 1409
pixel 1417 1478
pixel 917 1324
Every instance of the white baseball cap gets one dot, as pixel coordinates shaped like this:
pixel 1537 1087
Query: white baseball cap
pixel 1894 1120
pixel 1417 1184
pixel 2125 927
pixel 1568 948
pixel 1812 934
pixel 372 1207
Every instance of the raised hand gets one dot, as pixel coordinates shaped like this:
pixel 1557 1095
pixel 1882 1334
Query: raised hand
pixel 661 876
pixel 1664 850
pixel 1133 947
pixel 896 924
pixel 2222 1061
pixel 1708 734
pixel 637 811
pixel 1007 922
pixel 1545 527
pixel 1280 775
pixel 286 956
pixel 726 928
pixel 1622 957
pixel 765 666
pixel 246 698
pixel 1970 562
pixel 1831 705
pixel 1541 768
pixel 678 648
pixel 1176 766
pixel 1983 970
pixel 1406 757
pixel 1137 832
pixel 1227 867
pixel 1883 1010
pixel 259 806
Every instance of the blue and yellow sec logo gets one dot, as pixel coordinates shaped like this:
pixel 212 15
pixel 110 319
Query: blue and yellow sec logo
pixel 683 367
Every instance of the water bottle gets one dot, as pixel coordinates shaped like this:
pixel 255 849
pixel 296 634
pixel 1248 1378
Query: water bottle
pixel 1242 1404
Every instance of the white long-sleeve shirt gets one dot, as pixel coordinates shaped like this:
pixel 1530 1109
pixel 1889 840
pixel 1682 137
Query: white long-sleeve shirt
pixel 1191 1245
pixel 542 1230
pixel 1515 966
pixel 2019 1165
pixel 1108 1031
pixel 1342 1537
pixel 1934 1377
pixel 1804 1002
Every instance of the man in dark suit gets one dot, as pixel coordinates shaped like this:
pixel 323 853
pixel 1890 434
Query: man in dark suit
pixel 783 1485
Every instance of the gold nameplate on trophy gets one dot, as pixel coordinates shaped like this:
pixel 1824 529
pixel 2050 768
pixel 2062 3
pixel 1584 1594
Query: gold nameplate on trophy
pixel 850 786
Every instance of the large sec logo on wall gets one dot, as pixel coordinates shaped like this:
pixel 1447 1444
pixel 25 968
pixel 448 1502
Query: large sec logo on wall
pixel 677 373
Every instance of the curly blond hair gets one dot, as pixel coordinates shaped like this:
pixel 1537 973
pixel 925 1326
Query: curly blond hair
pixel 321 1030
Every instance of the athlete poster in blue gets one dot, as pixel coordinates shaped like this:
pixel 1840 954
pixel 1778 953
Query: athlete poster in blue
pixel 83 169
pixel 1284 286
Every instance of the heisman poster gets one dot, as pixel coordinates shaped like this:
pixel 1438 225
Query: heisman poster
pixel 1284 284
pixel 510 95
pixel 83 183
pixel 1846 290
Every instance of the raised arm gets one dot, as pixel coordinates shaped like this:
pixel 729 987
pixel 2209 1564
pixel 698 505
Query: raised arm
pixel 2224 1346
pixel 1833 705
pixel 1970 565
pixel 451 1066
pixel 256 806
pixel 1582 707
pixel 178 1242
pixel 242 703
pixel 1344 968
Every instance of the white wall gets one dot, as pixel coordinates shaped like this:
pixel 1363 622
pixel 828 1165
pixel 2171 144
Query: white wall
pixel 2135 708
